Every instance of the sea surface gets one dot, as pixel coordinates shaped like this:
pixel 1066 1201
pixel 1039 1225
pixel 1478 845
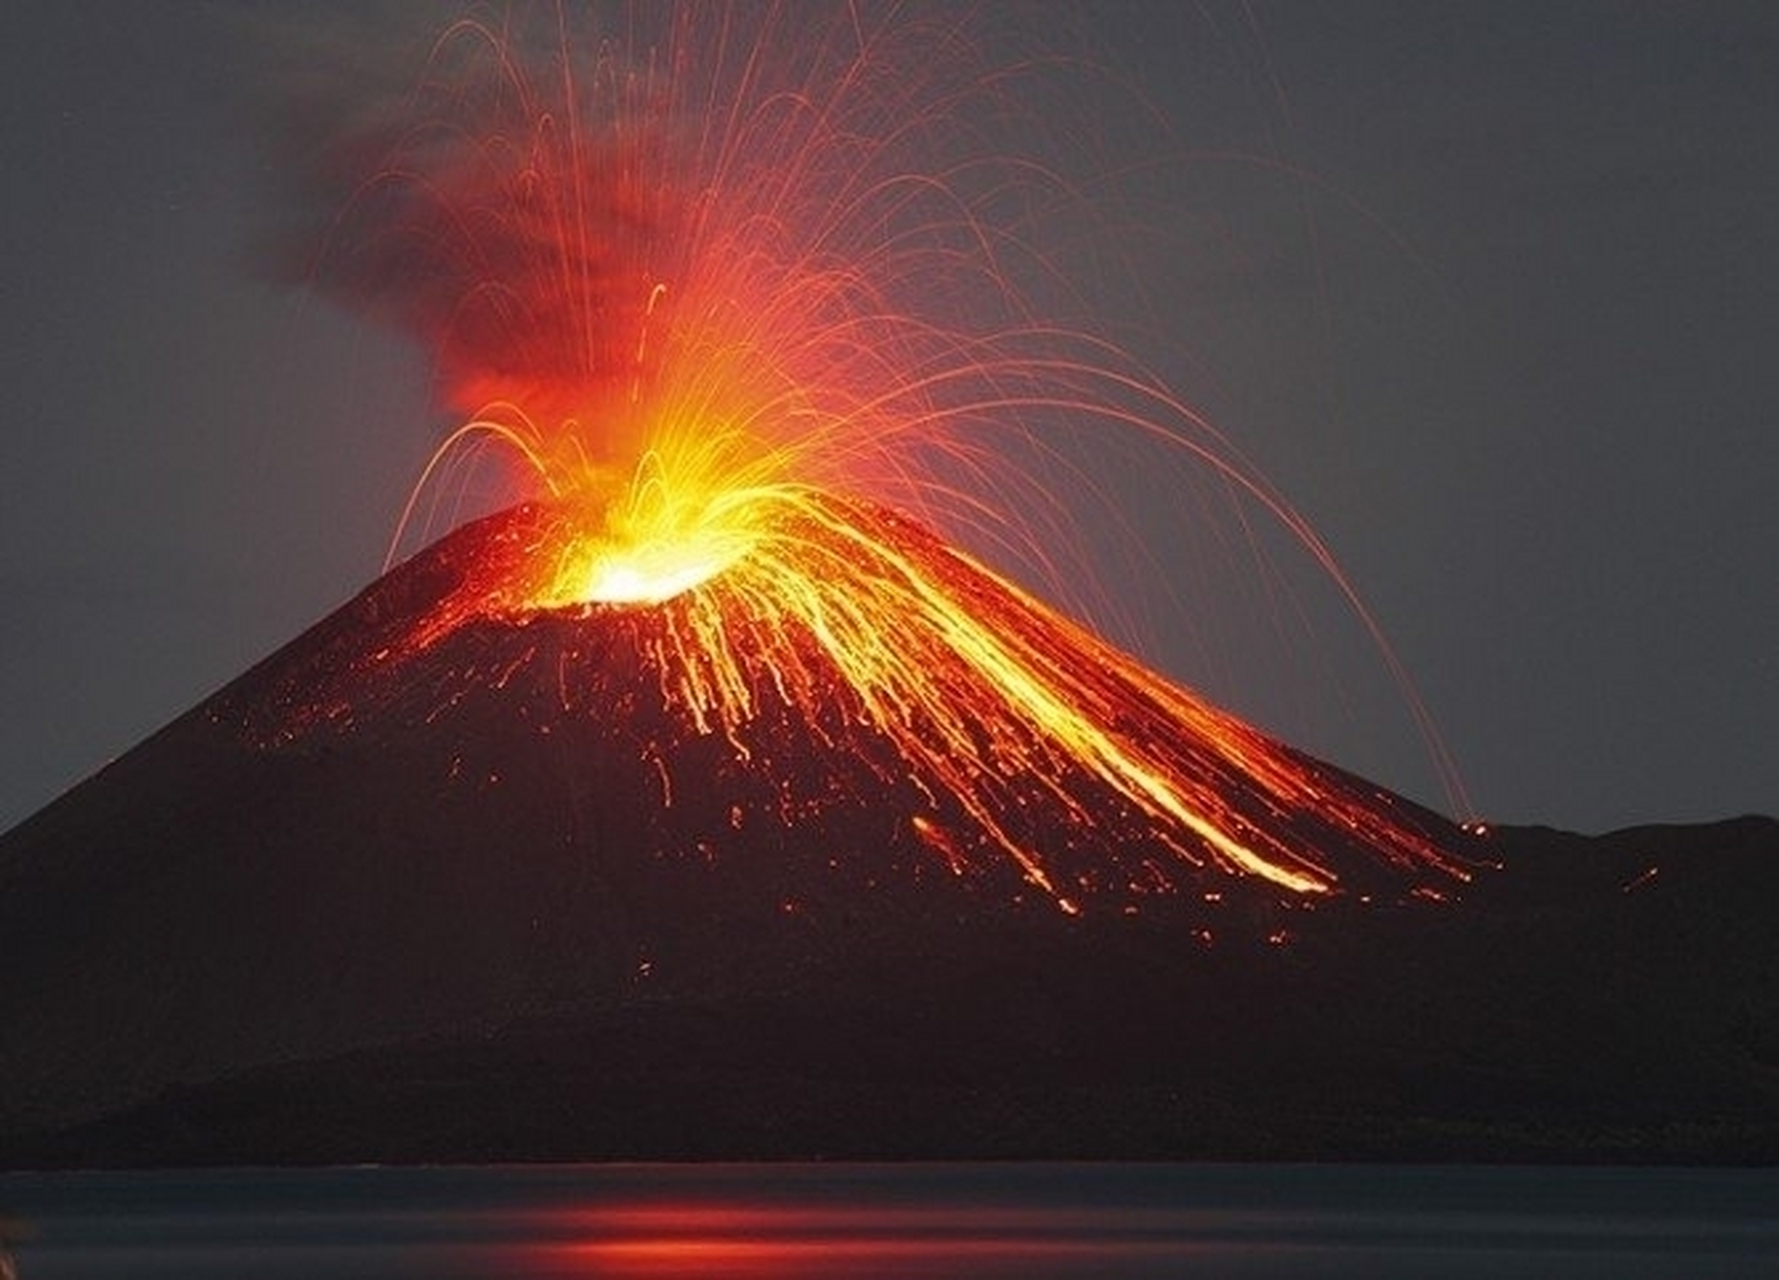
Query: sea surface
pixel 808 1220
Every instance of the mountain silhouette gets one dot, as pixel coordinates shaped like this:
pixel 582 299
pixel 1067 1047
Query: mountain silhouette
pixel 442 880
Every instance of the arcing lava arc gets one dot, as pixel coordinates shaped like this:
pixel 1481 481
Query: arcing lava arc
pixel 745 301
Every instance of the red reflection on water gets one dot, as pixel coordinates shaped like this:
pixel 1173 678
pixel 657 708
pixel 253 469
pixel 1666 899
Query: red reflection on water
pixel 729 1239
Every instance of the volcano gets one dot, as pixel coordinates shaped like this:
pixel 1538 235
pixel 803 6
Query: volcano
pixel 737 871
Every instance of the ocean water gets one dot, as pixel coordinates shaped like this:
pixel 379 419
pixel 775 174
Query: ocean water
pixel 810 1220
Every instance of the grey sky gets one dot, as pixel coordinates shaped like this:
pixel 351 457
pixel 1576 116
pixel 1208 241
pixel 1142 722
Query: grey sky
pixel 1488 290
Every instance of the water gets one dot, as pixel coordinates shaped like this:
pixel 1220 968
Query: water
pixel 791 1221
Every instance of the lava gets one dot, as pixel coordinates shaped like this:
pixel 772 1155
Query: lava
pixel 914 676
pixel 736 310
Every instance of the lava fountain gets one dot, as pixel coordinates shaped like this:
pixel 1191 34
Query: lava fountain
pixel 747 306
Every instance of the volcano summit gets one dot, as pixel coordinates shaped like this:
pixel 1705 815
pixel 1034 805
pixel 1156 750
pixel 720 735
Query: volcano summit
pixel 840 658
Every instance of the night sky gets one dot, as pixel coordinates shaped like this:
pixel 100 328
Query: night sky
pixel 1488 290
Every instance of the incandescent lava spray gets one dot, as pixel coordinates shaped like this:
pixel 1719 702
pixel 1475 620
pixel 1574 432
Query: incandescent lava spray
pixel 740 301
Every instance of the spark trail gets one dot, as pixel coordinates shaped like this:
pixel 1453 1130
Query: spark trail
pixel 736 299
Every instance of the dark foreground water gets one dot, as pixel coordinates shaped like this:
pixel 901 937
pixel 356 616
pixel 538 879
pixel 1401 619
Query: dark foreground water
pixel 899 1220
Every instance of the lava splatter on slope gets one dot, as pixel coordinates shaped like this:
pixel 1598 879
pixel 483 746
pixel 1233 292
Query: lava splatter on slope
pixel 843 655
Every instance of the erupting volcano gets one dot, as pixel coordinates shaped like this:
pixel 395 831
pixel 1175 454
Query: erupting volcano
pixel 730 342
pixel 730 706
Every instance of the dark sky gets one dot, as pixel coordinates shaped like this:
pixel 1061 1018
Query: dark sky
pixel 1488 290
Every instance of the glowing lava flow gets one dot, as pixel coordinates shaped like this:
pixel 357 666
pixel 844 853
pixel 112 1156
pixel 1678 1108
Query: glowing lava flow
pixel 1010 735
pixel 704 345
pixel 989 698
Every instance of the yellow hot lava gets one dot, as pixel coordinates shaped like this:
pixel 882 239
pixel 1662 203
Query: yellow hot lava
pixel 645 556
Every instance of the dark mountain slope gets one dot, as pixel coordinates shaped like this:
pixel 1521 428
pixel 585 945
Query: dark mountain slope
pixel 488 897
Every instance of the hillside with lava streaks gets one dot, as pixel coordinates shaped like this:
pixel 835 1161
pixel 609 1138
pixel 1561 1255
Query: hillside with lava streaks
pixel 431 812
pixel 448 865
